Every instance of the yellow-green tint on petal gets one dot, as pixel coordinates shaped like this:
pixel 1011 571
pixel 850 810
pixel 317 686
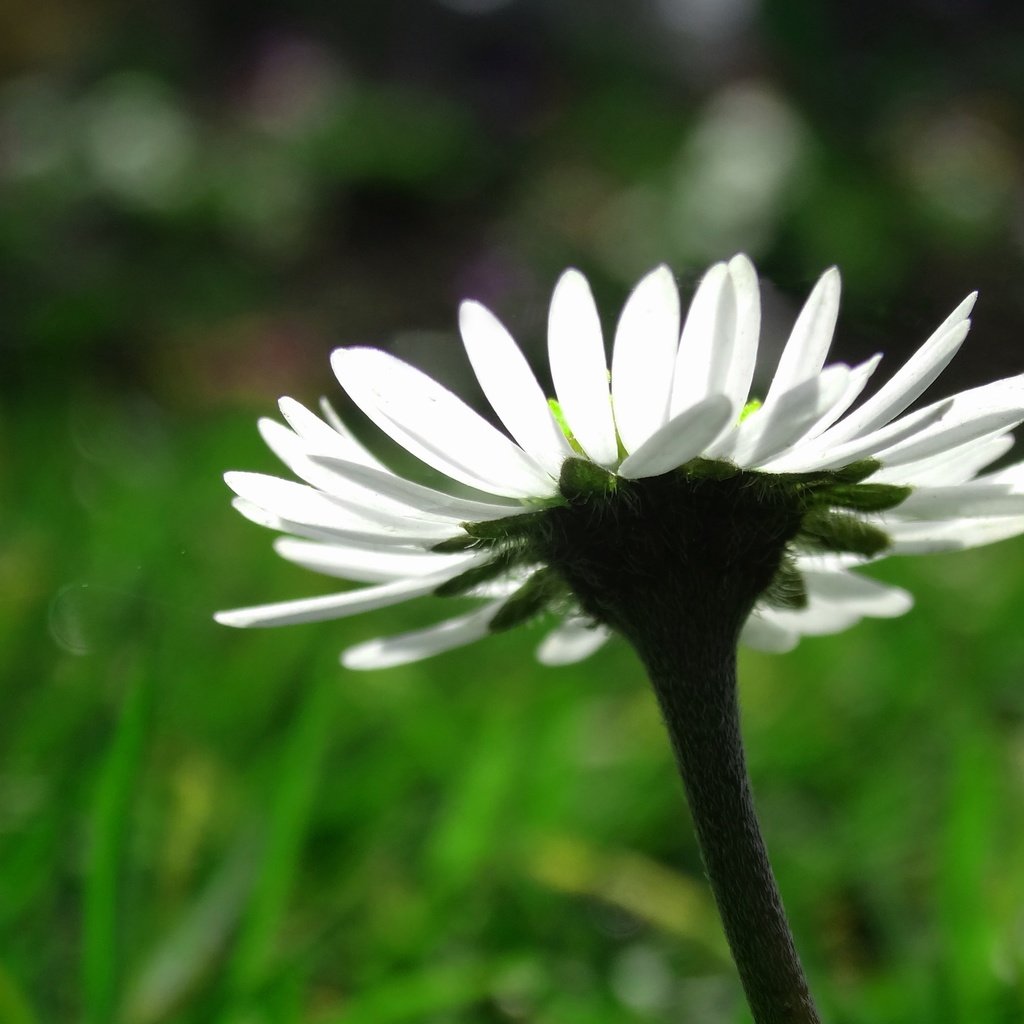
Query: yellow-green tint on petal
pixel 750 408
pixel 556 411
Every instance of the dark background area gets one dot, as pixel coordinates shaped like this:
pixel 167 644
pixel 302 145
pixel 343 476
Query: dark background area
pixel 183 179
pixel 197 203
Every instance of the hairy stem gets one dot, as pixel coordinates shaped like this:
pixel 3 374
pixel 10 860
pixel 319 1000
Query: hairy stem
pixel 694 677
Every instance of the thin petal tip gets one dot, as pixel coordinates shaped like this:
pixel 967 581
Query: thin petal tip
pixel 469 308
pixel 572 275
pixel 900 602
pixel 662 273
pixel 353 354
pixel 362 657
pixel 235 619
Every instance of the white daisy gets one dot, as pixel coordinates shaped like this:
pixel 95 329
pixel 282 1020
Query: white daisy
pixel 672 434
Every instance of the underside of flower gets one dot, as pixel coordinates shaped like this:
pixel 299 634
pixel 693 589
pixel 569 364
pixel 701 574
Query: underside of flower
pixel 712 531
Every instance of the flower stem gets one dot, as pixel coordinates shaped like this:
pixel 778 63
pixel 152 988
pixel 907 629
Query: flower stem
pixel 676 563
pixel 694 677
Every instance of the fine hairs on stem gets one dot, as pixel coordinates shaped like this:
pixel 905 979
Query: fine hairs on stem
pixel 696 688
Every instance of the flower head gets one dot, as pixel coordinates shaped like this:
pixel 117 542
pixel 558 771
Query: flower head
pixel 632 482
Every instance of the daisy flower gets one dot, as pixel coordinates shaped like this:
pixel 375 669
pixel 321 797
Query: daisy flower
pixel 632 478
pixel 657 499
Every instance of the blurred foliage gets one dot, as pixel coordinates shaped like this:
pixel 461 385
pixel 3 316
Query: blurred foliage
pixel 197 202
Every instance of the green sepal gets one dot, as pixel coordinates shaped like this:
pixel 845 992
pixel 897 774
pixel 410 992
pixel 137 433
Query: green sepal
pixel 820 478
pixel 787 589
pixel 711 469
pixel 466 581
pixel 529 600
pixel 456 545
pixel 863 497
pixel 822 530
pixel 855 471
pixel 508 528
pixel 581 480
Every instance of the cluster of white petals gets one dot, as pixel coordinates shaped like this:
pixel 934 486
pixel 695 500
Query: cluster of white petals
pixel 677 389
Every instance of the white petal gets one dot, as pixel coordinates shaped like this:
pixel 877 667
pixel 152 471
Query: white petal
pixel 331 415
pixel 307 505
pixel 966 416
pixel 965 500
pixel 762 635
pixel 362 536
pixel 772 429
pixel 511 388
pixel 1012 474
pixel 260 516
pixel 436 426
pixel 570 642
pixel 289 448
pixel 388 652
pixel 367 503
pixel 337 439
pixel 909 538
pixel 859 377
pixel 579 367
pixel 366 566
pixel 644 357
pixel 809 341
pixel 829 561
pixel 506 587
pixel 718 348
pixel 817 454
pixel 913 378
pixel 817 619
pixel 425 499
pixel 955 466
pixel 949 432
pixel 748 328
pixel 705 348
pixel 684 437
pixel 858 594
pixel 291 500
pixel 332 606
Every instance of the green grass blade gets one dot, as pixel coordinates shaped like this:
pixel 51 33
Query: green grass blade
pixel 190 951
pixel 101 948
pixel 964 869
pixel 286 829
pixel 14 1005
pixel 413 997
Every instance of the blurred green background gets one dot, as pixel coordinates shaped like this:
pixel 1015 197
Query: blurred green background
pixel 198 201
